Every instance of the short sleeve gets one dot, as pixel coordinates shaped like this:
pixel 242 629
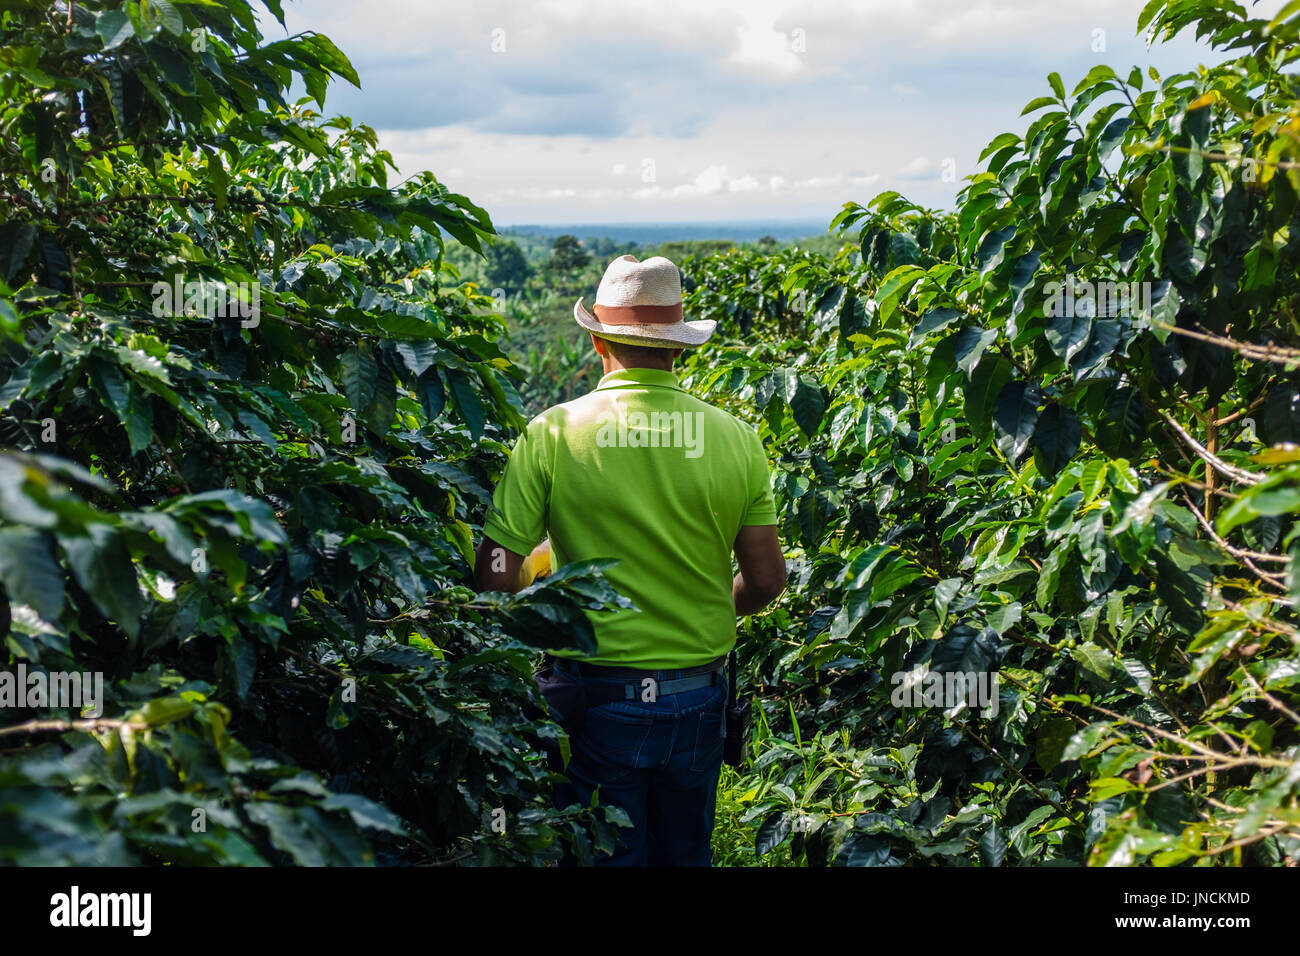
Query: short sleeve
pixel 518 519
pixel 760 505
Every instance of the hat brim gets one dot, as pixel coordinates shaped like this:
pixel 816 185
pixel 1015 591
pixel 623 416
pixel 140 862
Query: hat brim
pixel 665 336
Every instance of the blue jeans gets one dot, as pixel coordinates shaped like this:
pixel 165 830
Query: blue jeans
pixel 660 763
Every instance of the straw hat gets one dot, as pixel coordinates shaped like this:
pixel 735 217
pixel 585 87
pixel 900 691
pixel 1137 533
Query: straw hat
pixel 640 303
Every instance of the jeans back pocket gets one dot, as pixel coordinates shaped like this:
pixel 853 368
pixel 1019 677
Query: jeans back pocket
pixel 710 731
pixel 614 740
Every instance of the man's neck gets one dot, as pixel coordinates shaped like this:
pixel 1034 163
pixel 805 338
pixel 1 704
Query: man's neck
pixel 613 365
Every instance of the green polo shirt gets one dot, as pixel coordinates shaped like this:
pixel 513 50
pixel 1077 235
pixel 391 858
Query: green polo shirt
pixel 642 471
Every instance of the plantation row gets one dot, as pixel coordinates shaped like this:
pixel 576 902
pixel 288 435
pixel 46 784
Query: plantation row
pixel 250 417
pixel 1051 435
pixel 256 522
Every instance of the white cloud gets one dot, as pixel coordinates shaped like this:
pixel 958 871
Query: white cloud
pixel 739 123
pixel 760 44
pixel 709 181
pixel 984 19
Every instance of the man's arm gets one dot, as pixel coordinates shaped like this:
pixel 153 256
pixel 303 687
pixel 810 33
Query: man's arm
pixel 762 569
pixel 497 568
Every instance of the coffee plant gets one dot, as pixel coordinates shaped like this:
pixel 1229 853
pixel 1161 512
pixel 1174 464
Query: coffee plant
pixel 1050 435
pixel 248 428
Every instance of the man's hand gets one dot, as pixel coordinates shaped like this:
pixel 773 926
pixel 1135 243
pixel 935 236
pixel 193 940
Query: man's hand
pixel 762 569
pixel 538 563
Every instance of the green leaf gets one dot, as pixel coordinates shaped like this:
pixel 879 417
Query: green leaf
pixel 1138 673
pixel 467 402
pixel 964 649
pixel 419 357
pixel 1123 423
pixel 1084 741
pixel 102 566
pixel 220 180
pixel 139 418
pixel 772 832
pixel 982 392
pixel 110 384
pixel 993 248
pixel 1067 333
pixel 1102 340
pixel 1152 195
pixel 29 571
pixel 808 406
pixel 16 241
pixel 993 846
pixel 379 411
pixel 1056 439
pixel 1015 416
pixel 164 710
pixel 1049 577
pixel 934 321
pixel 1050 741
pixel 1112 136
pixel 171 18
pixel 433 398
pixel 1095 659
pixel 288 832
pixel 1267 499
pixel 968 344
pixel 359 372
pixel 1038 103
pixel 365 812
pixel 1098 74
pixel 114 28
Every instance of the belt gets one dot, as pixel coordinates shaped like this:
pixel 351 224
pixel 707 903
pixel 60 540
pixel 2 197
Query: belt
pixel 633 684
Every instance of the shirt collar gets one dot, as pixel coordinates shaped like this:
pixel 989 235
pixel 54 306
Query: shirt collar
pixel 623 377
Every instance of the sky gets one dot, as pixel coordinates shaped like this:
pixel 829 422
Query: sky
pixel 602 111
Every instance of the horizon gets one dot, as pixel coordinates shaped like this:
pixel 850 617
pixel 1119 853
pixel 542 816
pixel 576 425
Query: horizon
pixel 735 230
pixel 791 220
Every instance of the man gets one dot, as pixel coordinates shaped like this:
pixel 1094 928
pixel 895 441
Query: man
pixel 641 471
